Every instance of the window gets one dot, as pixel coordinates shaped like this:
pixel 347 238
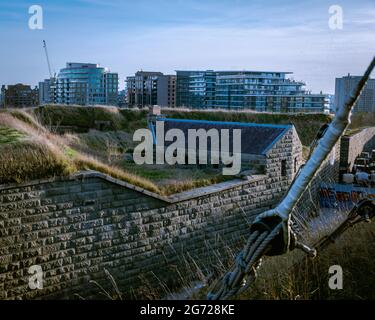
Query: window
pixel 295 164
pixel 283 168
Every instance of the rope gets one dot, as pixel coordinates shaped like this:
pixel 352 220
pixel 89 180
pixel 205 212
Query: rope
pixel 245 264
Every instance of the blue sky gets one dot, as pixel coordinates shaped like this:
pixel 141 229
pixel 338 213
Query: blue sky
pixel 166 35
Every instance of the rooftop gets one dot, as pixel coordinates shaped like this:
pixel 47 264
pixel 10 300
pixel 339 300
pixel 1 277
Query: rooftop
pixel 256 138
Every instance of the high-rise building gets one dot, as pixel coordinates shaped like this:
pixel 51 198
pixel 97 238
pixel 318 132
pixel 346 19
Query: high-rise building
pixel 86 84
pixel 196 89
pixel 122 99
pixel 19 96
pixel 47 91
pixel 166 91
pixel 151 88
pixel 255 90
pixel 345 86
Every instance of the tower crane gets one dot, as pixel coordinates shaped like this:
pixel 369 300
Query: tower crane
pixel 48 62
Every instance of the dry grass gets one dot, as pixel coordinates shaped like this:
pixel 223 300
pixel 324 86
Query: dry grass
pixel 25 161
pixel 192 184
pixel 84 162
pixel 43 154
pixel 293 276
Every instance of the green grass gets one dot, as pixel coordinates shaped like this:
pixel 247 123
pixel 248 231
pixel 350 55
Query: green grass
pixel 9 135
pixel 152 172
pixel 85 118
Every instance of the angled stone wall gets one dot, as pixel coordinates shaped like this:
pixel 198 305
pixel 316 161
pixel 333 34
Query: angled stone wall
pixel 353 145
pixel 75 228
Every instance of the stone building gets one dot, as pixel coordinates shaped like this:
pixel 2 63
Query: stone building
pixel 267 149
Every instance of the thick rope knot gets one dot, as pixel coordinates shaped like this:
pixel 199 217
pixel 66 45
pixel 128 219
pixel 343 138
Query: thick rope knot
pixel 241 262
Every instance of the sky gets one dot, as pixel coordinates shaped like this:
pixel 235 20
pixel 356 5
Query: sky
pixel 168 35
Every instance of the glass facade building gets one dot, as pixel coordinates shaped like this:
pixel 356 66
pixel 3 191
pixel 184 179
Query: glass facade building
pixel 255 90
pixel 195 89
pixel 86 84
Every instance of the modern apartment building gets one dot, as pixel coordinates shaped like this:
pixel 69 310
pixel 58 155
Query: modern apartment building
pixel 196 89
pixel 344 88
pixel 151 88
pixel 19 96
pixel 255 90
pixel 122 99
pixel 47 91
pixel 86 84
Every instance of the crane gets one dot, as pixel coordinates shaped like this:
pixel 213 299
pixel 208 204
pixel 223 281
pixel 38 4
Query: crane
pixel 46 51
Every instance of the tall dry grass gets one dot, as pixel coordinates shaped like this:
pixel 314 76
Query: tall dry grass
pixel 43 154
pixel 294 276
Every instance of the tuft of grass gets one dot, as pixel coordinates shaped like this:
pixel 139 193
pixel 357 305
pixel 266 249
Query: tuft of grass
pixel 181 186
pixel 9 135
pixel 84 162
pixel 24 161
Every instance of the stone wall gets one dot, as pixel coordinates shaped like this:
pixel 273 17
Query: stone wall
pixel 353 145
pixel 308 205
pixel 288 149
pixel 77 227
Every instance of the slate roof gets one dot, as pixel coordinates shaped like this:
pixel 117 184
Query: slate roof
pixel 256 138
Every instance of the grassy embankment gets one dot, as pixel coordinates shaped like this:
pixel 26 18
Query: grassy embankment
pixel 30 148
pixel 40 152
pixel 30 151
